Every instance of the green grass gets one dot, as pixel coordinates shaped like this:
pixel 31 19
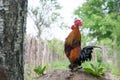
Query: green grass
pixel 60 65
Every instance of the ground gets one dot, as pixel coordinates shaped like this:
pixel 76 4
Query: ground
pixel 60 74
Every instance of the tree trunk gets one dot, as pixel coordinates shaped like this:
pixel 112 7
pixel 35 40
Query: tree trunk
pixel 12 29
pixel 115 53
pixel 104 53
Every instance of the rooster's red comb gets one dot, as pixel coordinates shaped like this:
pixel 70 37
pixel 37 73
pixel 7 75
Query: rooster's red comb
pixel 78 22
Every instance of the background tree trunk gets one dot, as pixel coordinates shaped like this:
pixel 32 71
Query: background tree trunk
pixel 115 53
pixel 12 29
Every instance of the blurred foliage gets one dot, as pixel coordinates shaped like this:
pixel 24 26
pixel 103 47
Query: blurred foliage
pixel 94 68
pixel 99 18
pixel 40 70
pixel 56 46
pixel 102 19
pixel 111 68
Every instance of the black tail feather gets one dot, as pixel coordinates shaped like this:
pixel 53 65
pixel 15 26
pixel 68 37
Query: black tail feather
pixel 91 47
pixel 86 54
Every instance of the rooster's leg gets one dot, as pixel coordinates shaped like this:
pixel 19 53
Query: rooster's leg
pixel 73 67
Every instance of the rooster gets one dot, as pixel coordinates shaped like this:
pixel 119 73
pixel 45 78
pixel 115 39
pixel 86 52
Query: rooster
pixel 72 46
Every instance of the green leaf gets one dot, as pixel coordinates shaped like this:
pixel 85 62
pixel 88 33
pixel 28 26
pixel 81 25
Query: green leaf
pixel 39 70
pixel 43 69
pixel 101 69
pixel 94 68
pixel 88 70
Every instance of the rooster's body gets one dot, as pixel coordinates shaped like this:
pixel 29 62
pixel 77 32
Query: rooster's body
pixel 73 50
pixel 73 40
pixel 73 43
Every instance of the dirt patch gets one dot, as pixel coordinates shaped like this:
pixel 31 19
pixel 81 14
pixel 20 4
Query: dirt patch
pixel 60 74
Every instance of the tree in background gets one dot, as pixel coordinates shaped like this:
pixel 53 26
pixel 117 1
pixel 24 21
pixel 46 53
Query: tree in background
pixel 102 18
pixel 45 14
pixel 12 29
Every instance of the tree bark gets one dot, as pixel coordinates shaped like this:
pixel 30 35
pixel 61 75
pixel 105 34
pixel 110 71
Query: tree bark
pixel 12 29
